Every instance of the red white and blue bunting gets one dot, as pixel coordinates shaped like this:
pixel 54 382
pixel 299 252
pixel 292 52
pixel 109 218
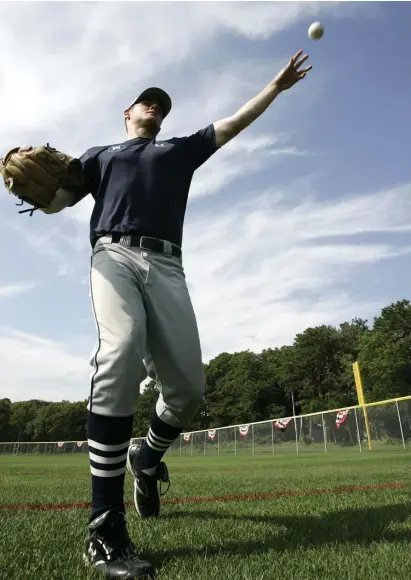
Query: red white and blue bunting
pixel 244 430
pixel 282 424
pixel 340 418
pixel 212 434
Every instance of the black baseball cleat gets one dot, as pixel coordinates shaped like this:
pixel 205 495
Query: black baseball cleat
pixel 110 550
pixel 146 487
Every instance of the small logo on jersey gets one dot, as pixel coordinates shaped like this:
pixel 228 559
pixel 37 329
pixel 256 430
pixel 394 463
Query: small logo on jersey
pixel 159 145
pixel 116 148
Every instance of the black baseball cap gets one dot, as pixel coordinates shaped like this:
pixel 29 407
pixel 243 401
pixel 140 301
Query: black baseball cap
pixel 158 95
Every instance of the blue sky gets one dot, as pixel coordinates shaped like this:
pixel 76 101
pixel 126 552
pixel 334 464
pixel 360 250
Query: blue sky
pixel 304 219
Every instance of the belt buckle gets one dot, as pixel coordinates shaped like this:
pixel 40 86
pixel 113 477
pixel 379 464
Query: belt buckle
pixel 142 242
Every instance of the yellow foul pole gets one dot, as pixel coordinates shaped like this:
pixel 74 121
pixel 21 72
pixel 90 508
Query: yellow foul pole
pixel 361 400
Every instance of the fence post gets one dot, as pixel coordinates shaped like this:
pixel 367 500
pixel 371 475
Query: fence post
pixel 218 442
pixel 205 441
pixel 192 443
pixel 295 422
pixel 399 420
pixel 324 432
pixel 272 437
pixel 252 434
pixel 296 435
pixel 358 430
pixel 235 441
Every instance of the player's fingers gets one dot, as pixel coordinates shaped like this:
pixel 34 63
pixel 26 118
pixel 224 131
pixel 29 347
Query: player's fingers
pixel 301 61
pixel 297 55
pixel 304 71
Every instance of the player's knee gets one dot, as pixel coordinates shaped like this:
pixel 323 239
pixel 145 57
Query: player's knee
pixel 180 404
pixel 118 370
pixel 194 398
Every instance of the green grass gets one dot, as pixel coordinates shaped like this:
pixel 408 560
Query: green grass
pixel 357 535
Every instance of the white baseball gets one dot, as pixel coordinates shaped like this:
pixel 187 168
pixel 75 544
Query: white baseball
pixel 316 31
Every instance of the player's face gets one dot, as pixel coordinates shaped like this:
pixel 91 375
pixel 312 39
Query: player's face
pixel 147 114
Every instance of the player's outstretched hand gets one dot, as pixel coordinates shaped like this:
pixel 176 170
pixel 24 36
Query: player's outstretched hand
pixel 292 72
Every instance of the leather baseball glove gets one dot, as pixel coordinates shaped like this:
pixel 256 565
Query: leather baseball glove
pixel 34 174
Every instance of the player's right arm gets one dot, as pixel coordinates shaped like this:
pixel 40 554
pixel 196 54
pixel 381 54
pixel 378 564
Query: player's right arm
pixel 63 199
pixel 69 197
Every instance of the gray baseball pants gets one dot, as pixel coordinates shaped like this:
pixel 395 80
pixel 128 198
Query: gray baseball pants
pixel 146 327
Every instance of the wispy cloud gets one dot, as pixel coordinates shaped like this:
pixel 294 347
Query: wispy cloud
pixel 15 289
pixel 242 156
pixel 269 267
pixel 35 367
pixel 47 243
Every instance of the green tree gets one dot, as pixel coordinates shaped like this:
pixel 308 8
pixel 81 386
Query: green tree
pixel 385 354
pixel 351 334
pixel 146 404
pixel 63 421
pixel 23 417
pixel 242 388
pixel 313 369
pixel 5 414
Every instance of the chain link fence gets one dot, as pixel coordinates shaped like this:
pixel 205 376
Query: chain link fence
pixel 389 427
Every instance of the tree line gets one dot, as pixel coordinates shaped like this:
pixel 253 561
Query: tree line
pixel 244 387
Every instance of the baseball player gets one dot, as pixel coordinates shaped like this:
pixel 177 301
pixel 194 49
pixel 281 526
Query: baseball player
pixel 145 321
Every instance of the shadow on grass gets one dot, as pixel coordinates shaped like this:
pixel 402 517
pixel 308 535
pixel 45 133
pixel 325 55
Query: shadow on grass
pixel 356 526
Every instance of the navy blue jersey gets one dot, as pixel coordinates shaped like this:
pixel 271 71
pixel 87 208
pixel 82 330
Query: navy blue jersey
pixel 141 186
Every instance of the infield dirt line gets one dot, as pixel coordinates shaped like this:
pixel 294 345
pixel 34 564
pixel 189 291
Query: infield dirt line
pixel 215 499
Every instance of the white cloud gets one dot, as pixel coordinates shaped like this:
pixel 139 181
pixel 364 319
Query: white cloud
pixel 46 243
pixel 15 289
pixel 86 65
pixel 243 156
pixel 34 367
pixel 269 267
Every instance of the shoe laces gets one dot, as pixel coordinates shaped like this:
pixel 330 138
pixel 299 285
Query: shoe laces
pixel 114 539
pixel 163 477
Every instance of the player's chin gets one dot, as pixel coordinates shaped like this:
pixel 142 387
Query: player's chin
pixel 149 117
pixel 151 124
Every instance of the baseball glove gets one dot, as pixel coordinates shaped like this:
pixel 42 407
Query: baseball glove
pixel 34 174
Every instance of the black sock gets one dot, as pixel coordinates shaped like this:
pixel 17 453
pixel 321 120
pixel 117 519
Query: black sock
pixel 159 438
pixel 108 442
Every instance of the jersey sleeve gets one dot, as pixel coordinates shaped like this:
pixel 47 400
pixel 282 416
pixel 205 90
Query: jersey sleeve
pixel 200 146
pixel 89 176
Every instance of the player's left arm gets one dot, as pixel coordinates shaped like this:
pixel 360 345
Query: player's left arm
pixel 226 129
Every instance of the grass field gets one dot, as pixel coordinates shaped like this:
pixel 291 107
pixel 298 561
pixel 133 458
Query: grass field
pixel 341 517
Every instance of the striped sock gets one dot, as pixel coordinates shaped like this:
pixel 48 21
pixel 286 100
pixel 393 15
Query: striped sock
pixel 159 438
pixel 108 442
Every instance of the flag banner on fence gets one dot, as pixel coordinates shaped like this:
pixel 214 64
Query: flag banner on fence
pixel 186 437
pixel 282 424
pixel 244 430
pixel 340 418
pixel 79 443
pixel 212 433
pixel 60 444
